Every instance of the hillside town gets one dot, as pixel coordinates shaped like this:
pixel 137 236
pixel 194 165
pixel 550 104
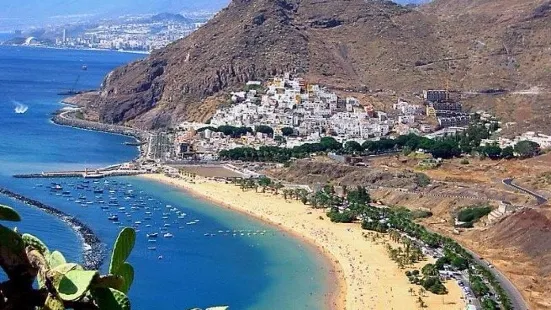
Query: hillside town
pixel 288 111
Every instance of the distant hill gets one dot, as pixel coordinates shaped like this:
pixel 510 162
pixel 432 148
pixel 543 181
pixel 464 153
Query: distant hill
pixel 161 17
pixel 377 49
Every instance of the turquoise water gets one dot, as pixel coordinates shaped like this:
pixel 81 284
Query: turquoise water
pixel 261 269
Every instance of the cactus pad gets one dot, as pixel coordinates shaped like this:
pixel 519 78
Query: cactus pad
pixel 121 250
pixel 55 259
pixel 11 240
pixel 9 214
pixel 74 284
pixel 110 299
pixel 126 271
pixel 35 243
pixel 109 281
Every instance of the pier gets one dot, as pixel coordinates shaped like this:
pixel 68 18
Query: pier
pixel 87 174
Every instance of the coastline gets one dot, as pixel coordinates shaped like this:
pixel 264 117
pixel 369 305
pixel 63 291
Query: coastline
pixel 94 251
pixel 66 118
pixel 362 277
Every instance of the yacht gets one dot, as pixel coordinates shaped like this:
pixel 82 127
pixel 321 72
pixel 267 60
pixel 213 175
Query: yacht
pixel 168 235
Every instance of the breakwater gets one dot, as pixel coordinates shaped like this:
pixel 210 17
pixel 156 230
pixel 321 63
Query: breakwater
pixel 94 250
pixel 68 118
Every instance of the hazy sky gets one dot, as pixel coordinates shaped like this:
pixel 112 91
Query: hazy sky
pixel 21 13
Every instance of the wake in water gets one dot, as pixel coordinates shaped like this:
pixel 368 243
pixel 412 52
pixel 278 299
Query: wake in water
pixel 19 107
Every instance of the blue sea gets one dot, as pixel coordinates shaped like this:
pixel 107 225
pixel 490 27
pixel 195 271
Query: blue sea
pixel 215 257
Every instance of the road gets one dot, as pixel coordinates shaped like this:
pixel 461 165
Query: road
pixel 517 301
pixel 540 199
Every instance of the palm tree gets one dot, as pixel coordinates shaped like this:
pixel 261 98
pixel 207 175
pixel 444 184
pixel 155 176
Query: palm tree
pixel 422 292
pixel 277 187
pixel 411 291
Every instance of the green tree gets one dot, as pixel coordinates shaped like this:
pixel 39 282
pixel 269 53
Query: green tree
pixel 352 147
pixel 330 144
pixel 508 152
pixel 287 131
pixel 526 149
pixel 264 129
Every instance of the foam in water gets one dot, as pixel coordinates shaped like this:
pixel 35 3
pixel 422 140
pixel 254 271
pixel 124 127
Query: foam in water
pixel 19 107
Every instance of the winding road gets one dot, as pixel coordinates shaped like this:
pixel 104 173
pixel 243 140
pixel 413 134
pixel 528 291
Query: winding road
pixel 539 198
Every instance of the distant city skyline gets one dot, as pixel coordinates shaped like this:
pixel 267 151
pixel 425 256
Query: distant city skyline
pixel 22 14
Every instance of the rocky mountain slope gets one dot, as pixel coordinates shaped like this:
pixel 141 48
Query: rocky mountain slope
pixel 377 49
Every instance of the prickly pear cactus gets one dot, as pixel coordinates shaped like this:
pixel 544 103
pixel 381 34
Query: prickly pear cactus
pixel 121 250
pixel 74 284
pixel 126 271
pixel 35 243
pixel 25 258
pixel 55 259
pixel 110 299
pixel 8 214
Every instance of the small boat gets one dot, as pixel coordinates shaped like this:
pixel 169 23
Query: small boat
pixel 66 193
pixel 113 217
pixel 152 235
pixel 104 207
pixel 166 225
pixel 152 240
pixel 98 191
pixel 160 257
pixel 168 235
pixel 151 248
pixel 190 223
pixel 148 225
pixel 56 187
pixel 137 222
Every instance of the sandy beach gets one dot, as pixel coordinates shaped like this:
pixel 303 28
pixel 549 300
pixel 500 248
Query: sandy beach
pixel 364 276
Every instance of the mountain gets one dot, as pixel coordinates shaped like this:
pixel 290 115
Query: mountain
pixel 377 49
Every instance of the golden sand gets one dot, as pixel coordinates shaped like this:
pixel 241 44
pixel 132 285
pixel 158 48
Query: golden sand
pixel 365 276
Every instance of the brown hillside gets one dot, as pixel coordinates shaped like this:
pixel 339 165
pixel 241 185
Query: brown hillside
pixel 361 45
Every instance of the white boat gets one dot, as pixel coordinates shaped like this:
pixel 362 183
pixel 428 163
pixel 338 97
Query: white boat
pixel 190 223
pixel 152 235
pixel 137 222
pixel 152 248
pixel 168 235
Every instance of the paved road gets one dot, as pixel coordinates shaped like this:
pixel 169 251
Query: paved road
pixel 514 294
pixel 540 199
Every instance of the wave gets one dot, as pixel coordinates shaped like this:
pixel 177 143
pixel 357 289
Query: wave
pixel 20 108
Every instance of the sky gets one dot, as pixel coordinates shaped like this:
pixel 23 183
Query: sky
pixel 20 13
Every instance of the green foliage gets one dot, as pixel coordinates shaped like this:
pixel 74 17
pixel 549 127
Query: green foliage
pixel 347 216
pixel 473 214
pixel 234 132
pixel 422 179
pixel 126 271
pixel 35 243
pixel 55 259
pixel 60 283
pixel 287 131
pixel 8 214
pixel 330 144
pixel 526 149
pixel 111 299
pixel 74 284
pixel 121 250
pixel 464 161
pixel 352 147
pixel 264 129
pixel 434 285
pixel 358 196
pixel 508 152
pixel 478 286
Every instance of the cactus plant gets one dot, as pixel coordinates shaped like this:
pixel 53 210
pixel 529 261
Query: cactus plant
pixel 61 284
pixel 111 299
pixel 121 250
pixel 35 243
pixel 9 214
pixel 126 271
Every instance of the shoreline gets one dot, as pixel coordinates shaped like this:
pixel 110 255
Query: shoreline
pixel 365 276
pixel 336 296
pixel 61 118
pixel 94 251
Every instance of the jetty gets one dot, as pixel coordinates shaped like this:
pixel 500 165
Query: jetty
pixel 112 171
